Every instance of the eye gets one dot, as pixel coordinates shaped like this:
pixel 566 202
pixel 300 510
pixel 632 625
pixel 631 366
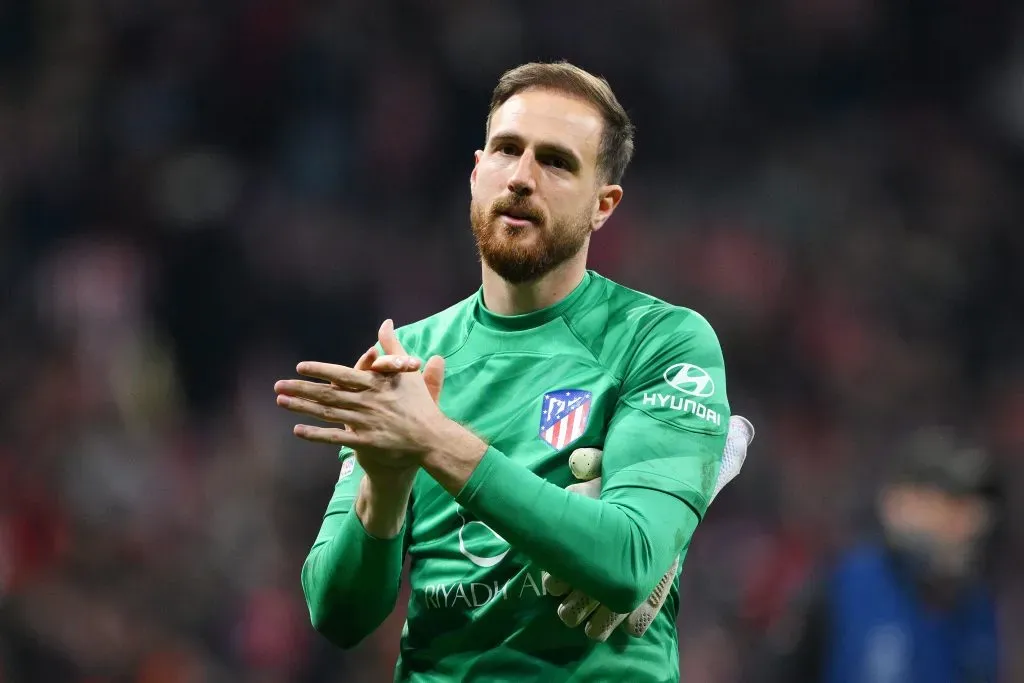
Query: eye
pixel 557 162
pixel 508 149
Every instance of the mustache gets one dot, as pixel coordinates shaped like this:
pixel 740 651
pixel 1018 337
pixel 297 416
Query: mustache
pixel 520 207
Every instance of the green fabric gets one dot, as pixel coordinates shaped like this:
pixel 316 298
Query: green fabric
pixel 477 611
pixel 343 555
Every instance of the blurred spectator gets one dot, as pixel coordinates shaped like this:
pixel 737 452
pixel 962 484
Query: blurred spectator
pixel 911 606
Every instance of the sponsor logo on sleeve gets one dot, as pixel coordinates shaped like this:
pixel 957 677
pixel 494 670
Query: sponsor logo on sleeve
pixel 690 379
pixel 692 382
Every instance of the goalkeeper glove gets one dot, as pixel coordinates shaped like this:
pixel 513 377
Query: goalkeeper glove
pixel 585 464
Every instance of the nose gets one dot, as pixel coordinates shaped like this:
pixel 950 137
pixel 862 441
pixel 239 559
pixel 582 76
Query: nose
pixel 522 181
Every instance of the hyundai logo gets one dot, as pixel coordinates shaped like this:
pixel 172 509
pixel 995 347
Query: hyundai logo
pixel 690 379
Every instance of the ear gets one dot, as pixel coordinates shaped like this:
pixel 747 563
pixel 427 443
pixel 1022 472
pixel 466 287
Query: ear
pixel 476 164
pixel 608 198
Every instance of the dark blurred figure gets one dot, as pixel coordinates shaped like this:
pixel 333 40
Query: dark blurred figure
pixel 912 606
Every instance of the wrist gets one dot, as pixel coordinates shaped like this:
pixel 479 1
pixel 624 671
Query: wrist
pixel 383 500
pixel 385 478
pixel 385 469
pixel 452 454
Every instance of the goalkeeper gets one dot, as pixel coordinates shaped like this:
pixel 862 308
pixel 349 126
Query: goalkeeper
pixel 545 359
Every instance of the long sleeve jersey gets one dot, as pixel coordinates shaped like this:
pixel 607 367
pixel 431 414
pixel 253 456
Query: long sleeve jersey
pixel 606 367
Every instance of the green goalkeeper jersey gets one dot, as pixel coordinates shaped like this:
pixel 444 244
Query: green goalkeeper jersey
pixel 606 367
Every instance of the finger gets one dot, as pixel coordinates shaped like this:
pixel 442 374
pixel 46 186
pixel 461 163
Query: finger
pixel 585 463
pixel 389 364
pixel 388 340
pixel 553 586
pixel 366 360
pixel 575 608
pixel 640 619
pixel 601 625
pixel 329 435
pixel 590 489
pixel 433 376
pixel 325 394
pixel 320 411
pixel 340 375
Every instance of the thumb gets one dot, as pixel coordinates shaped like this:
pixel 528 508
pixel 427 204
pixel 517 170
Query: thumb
pixel 388 341
pixel 367 360
pixel 433 376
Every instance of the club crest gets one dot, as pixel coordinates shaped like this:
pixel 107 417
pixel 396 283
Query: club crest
pixel 564 415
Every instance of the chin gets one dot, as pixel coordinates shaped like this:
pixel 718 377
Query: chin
pixel 520 234
pixel 515 261
pixel 518 273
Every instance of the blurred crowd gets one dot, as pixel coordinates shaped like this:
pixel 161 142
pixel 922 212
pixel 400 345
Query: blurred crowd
pixel 196 195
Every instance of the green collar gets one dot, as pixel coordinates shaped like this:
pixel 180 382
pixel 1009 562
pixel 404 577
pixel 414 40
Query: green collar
pixel 526 321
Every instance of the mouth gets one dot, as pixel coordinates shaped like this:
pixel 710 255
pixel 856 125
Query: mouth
pixel 520 218
pixel 516 223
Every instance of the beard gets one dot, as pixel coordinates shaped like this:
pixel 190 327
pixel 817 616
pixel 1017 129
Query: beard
pixel 509 252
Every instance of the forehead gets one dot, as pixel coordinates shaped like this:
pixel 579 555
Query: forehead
pixel 545 116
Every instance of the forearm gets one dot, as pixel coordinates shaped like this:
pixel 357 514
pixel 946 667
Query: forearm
pixel 615 551
pixel 351 576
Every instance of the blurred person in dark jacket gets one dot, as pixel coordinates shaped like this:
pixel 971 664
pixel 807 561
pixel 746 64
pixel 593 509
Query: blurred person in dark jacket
pixel 911 607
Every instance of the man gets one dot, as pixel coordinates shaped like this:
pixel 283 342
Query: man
pixel 546 360
pixel 912 608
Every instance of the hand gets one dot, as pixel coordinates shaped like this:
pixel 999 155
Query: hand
pixel 380 467
pixel 395 361
pixel 387 417
pixel 585 464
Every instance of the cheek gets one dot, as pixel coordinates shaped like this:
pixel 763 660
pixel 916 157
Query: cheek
pixel 572 206
pixel 482 186
pixel 491 174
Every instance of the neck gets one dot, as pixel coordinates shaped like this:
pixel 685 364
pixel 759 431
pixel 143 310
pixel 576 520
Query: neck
pixel 504 298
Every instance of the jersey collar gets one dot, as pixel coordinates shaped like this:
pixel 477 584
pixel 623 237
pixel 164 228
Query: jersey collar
pixel 532 319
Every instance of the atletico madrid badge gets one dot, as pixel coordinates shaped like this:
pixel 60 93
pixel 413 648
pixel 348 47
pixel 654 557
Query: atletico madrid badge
pixel 563 417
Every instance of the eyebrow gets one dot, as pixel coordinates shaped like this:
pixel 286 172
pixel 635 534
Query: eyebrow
pixel 549 147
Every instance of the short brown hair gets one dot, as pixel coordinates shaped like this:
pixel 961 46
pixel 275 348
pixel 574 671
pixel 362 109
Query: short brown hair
pixel 616 149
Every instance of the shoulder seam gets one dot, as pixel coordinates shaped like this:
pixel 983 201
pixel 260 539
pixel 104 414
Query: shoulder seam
pixel 417 326
pixel 636 347
pixel 575 333
pixel 465 340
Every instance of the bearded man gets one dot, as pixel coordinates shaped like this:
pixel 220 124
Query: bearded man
pixel 552 374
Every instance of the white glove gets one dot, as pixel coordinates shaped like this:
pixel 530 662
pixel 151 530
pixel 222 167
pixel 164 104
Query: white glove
pixel 585 464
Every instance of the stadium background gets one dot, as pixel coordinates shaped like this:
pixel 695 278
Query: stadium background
pixel 195 195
